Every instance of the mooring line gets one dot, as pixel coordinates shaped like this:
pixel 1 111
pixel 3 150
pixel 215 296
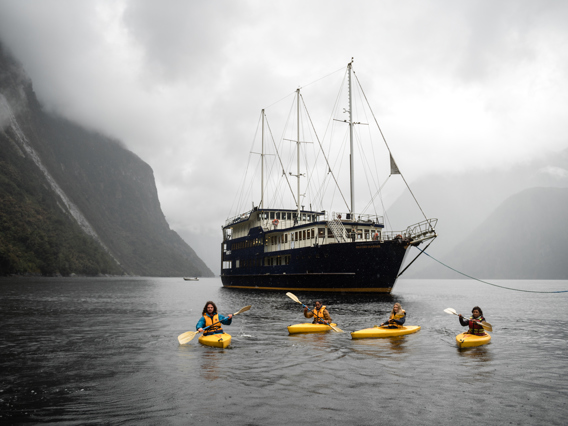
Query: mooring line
pixel 485 282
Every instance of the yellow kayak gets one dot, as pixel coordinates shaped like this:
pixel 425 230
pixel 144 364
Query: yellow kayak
pixel 470 340
pixel 216 340
pixel 377 332
pixel 308 327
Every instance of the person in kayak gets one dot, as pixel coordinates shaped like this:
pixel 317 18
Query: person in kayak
pixel 319 313
pixel 212 320
pixel 397 317
pixel 474 322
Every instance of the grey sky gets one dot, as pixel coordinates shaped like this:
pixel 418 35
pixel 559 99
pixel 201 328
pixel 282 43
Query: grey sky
pixel 456 85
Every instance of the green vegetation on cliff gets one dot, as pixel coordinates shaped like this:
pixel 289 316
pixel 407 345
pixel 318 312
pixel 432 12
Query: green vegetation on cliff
pixel 36 236
pixel 102 182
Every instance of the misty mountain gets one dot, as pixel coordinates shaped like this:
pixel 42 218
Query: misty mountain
pixel 468 202
pixel 526 237
pixel 76 201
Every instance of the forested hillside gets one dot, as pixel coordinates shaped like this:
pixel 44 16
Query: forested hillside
pixel 76 201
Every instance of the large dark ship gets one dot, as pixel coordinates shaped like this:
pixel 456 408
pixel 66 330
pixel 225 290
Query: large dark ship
pixel 302 249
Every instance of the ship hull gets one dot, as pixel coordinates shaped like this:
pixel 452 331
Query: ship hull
pixel 357 267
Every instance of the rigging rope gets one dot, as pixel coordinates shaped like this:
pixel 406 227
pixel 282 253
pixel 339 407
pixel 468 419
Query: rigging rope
pixel 324 156
pixel 485 282
pixel 387 145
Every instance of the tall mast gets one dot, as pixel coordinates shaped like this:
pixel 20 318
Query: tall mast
pixel 298 146
pixel 351 165
pixel 262 167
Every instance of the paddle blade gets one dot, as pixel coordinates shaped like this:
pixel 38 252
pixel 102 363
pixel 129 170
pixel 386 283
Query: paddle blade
pixel 337 329
pixel 293 297
pixel 246 308
pixel 487 326
pixel 450 311
pixel 187 337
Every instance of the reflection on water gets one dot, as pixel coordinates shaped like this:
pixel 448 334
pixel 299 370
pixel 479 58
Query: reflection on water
pixel 103 350
pixel 478 354
pixel 209 359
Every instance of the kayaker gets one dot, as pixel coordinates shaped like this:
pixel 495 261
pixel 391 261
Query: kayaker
pixel 212 320
pixel 319 313
pixel 474 322
pixel 397 317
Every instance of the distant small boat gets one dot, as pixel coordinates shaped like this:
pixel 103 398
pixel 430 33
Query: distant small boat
pixel 191 279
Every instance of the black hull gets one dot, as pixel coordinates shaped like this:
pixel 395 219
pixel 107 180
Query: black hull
pixel 357 267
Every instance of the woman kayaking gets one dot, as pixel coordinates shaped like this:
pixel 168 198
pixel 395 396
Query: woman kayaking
pixel 319 313
pixel 474 322
pixel 397 317
pixel 212 320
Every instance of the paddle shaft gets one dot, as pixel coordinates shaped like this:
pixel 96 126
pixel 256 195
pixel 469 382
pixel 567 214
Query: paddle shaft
pixel 485 326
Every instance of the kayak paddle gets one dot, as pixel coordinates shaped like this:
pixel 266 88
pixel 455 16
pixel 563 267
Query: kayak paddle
pixel 189 335
pixel 295 299
pixel 485 325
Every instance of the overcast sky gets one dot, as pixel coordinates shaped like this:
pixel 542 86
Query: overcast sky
pixel 456 85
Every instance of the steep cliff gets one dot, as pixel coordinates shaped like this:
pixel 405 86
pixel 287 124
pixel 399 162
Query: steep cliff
pixel 75 201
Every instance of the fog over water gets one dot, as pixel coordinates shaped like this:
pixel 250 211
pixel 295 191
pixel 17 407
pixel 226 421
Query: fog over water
pixel 457 87
pixel 105 350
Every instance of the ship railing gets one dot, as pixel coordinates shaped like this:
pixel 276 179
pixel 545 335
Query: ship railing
pixel 239 218
pixel 422 230
pixel 419 231
pixel 355 217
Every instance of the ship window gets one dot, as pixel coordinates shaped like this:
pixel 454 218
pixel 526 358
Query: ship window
pixel 227 264
pixel 321 232
pixel 313 233
pixel 237 263
pixel 285 238
pixel 294 215
pixel 308 234
pixel 278 215
pixel 304 235
pixel 366 234
pixel 271 215
pixel 329 232
pixel 296 236
pixel 289 215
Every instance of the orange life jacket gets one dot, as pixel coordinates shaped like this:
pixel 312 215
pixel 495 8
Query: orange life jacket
pixel 318 315
pixel 215 329
pixel 397 317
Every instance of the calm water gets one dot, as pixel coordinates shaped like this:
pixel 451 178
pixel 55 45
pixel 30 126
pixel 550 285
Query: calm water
pixel 92 351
